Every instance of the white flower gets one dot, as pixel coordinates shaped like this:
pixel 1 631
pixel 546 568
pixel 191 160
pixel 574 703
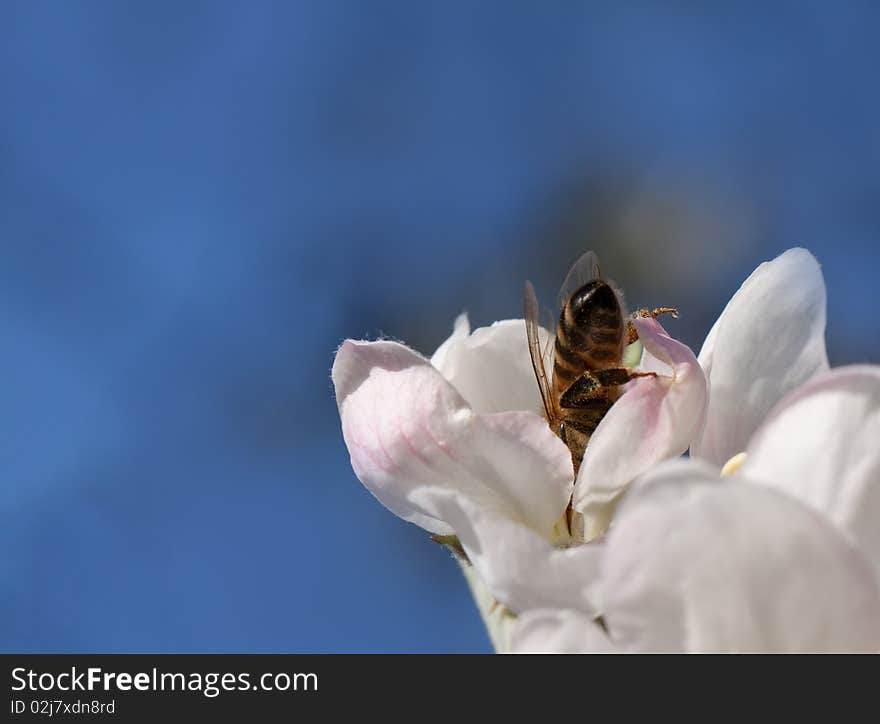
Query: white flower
pixel 781 556
pixel 458 446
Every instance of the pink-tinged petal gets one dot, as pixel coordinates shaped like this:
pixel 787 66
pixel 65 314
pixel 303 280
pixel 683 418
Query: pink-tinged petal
pixel 768 341
pixel 649 363
pixel 521 569
pixel 406 427
pixel 698 563
pixel 555 631
pixel 821 445
pixel 491 367
pixel 653 420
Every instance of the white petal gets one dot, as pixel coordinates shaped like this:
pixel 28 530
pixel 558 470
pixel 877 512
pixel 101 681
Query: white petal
pixel 491 367
pixel 406 427
pixel 554 631
pixel 695 563
pixel 654 419
pixel 769 340
pixel 461 328
pixel 520 568
pixel 821 445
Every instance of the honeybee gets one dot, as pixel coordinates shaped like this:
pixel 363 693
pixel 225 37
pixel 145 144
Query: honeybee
pixel 592 333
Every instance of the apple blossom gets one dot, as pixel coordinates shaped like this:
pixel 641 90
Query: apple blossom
pixel 457 446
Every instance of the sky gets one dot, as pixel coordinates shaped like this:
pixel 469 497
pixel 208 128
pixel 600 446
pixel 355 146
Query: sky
pixel 199 201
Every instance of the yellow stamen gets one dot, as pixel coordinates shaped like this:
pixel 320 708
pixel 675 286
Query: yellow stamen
pixel 734 464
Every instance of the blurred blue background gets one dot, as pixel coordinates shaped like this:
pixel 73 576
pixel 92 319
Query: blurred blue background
pixel 200 200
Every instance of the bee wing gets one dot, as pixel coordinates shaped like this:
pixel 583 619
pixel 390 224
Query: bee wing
pixel 551 338
pixel 535 350
pixel 584 270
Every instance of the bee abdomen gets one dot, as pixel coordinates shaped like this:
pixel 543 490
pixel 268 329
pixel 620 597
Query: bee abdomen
pixel 590 331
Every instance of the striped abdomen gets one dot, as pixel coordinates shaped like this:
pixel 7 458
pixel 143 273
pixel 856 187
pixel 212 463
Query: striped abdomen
pixel 589 335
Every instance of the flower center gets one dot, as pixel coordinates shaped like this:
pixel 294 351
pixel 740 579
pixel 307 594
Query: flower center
pixel 734 464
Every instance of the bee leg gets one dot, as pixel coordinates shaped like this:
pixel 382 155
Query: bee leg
pixel 631 334
pixel 656 312
pixel 590 388
pixel 585 387
pixel 642 374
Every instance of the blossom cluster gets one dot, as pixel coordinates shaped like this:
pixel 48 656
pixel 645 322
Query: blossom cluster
pixel 766 537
